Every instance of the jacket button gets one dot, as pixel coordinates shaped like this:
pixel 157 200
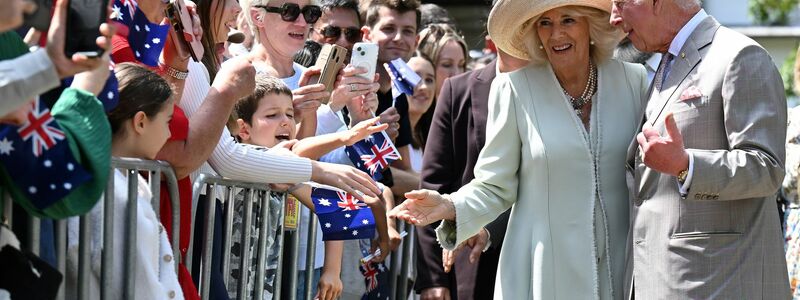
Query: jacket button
pixel 171 294
pixel 167 258
pixel 698 196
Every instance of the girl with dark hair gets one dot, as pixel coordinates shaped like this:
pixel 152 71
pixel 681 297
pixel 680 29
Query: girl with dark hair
pixel 140 127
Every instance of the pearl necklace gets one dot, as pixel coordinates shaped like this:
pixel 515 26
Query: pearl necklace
pixel 588 92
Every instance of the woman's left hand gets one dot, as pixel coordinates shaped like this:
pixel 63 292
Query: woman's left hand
pixel 308 97
pixel 349 85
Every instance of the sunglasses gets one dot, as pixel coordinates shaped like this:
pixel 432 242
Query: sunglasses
pixel 351 34
pixel 290 11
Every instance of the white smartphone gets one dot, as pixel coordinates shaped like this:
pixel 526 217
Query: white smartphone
pixel 365 55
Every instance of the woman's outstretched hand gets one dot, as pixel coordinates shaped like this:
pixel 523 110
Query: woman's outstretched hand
pixel 423 207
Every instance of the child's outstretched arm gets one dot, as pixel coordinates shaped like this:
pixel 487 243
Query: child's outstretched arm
pixel 330 284
pixel 317 146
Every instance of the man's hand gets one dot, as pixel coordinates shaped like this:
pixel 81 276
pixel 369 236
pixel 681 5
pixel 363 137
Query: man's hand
pixel 329 287
pixel 347 178
pixel 391 117
pixel 423 207
pixel 236 79
pixel 665 154
pixel 56 37
pixel 435 293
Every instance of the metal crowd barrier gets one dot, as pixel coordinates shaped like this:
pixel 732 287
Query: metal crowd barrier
pixel 398 268
pixel 132 167
pixel 253 192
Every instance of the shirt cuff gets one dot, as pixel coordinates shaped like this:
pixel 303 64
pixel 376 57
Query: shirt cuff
pixel 684 188
pixel 328 121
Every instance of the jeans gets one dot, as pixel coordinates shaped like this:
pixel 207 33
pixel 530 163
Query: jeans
pixel 301 282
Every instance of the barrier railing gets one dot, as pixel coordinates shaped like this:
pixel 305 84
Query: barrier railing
pixel 132 167
pixel 253 192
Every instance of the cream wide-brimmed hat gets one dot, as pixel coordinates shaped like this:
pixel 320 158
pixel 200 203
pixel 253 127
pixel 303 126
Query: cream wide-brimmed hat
pixel 508 18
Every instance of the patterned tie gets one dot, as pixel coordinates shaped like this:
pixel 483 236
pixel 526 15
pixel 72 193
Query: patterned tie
pixel 663 69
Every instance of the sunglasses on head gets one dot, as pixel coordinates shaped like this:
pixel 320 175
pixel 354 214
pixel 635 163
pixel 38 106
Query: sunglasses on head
pixel 290 11
pixel 351 34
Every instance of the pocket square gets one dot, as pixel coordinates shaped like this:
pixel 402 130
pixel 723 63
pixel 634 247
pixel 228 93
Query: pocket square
pixel 691 93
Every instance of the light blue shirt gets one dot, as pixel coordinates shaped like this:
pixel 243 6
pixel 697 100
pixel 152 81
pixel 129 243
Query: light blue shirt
pixel 675 49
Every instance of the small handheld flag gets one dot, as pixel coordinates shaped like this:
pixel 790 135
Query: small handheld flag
pixel 342 216
pixel 374 154
pixel 43 165
pixel 404 79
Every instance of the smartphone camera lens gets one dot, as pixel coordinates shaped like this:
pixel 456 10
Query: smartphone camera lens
pixel 359 49
pixel 363 53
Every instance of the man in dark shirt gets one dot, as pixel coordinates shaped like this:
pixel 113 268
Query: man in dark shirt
pixel 393 24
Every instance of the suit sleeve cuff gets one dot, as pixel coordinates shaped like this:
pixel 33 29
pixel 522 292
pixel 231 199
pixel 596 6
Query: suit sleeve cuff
pixel 684 188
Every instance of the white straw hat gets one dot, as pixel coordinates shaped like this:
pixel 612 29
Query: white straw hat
pixel 508 17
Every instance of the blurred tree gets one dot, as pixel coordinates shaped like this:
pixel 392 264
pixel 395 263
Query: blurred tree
pixel 772 12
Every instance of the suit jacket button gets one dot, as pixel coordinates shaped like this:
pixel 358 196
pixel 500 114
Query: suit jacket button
pixel 698 196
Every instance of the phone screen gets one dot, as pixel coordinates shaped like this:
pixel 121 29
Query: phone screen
pixel 83 26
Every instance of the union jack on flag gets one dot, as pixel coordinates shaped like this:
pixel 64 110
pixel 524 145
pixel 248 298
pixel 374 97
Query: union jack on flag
pixel 41 128
pixel 50 172
pixel 374 273
pixel 371 158
pixel 348 202
pixel 344 220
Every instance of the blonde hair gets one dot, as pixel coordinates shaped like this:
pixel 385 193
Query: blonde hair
pixel 604 36
pixel 435 36
pixel 248 5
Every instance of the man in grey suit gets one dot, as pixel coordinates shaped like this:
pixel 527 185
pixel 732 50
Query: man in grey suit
pixel 705 169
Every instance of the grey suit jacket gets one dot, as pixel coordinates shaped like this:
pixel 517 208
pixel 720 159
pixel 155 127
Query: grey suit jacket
pixel 723 240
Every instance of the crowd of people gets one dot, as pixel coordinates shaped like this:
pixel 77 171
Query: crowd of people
pixel 595 149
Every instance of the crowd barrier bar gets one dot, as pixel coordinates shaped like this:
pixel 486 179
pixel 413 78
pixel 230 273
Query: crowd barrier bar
pixel 253 192
pixel 132 167
pixel 311 251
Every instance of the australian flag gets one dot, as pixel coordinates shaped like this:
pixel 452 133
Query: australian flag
pixel 342 216
pixel 145 39
pixel 404 79
pixel 376 275
pixel 39 159
pixel 109 96
pixel 373 154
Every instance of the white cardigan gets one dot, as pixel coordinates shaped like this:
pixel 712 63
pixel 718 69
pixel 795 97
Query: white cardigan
pixel 155 264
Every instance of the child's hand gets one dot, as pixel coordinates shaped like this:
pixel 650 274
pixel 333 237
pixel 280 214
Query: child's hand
pixel 329 287
pixel 365 128
pixel 394 238
pixel 382 244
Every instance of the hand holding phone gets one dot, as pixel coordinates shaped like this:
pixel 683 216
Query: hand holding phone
pixel 181 22
pixel 330 61
pixel 83 27
pixel 365 55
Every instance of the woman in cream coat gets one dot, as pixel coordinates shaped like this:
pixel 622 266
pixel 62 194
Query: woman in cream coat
pixel 556 139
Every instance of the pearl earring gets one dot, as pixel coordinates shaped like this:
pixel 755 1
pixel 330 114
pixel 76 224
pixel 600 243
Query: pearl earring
pixel 591 42
pixel 541 47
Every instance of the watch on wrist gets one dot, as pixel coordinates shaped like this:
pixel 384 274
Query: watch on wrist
pixel 175 73
pixel 682 176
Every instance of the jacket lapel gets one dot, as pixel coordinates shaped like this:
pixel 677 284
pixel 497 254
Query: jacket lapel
pixel 479 95
pixel 682 66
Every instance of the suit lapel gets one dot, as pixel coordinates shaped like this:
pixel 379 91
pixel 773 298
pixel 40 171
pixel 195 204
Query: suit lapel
pixel 479 88
pixel 682 66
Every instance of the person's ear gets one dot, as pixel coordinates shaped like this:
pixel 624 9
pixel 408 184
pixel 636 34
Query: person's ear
pixel 416 41
pixel 244 130
pixel 256 17
pixel 366 33
pixel 139 122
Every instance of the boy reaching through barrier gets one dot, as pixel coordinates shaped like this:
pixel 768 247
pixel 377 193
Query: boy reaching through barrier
pixel 139 126
pixel 266 120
